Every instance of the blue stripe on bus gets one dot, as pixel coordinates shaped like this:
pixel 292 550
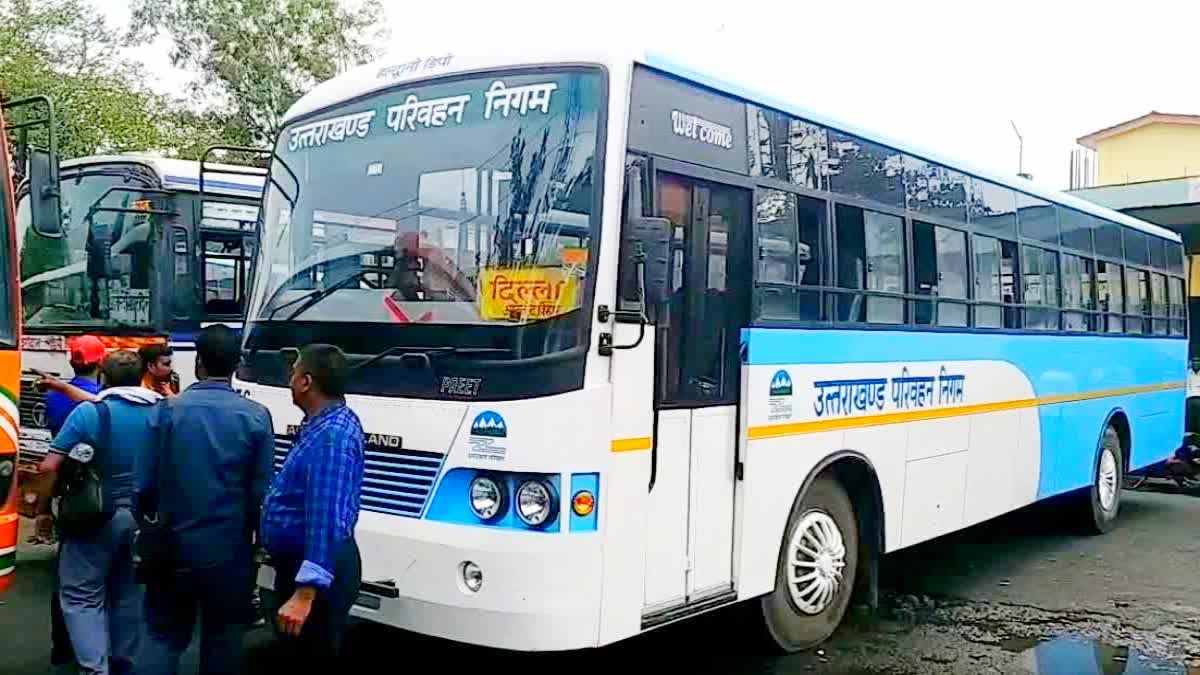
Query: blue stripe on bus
pixel 1056 365
pixel 224 185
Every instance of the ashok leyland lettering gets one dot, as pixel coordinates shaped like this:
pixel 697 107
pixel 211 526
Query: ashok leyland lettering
pixel 631 343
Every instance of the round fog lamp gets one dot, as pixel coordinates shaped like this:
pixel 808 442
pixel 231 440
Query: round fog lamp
pixel 486 497
pixel 472 576
pixel 6 468
pixel 535 503
pixel 583 503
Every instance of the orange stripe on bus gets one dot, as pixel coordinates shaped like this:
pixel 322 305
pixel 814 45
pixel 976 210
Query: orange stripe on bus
pixel 632 444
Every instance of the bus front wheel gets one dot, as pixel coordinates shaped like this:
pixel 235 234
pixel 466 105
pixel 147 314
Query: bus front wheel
pixel 816 569
pixel 1099 504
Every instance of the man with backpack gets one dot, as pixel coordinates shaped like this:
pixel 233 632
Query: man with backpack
pixel 99 446
pixel 86 354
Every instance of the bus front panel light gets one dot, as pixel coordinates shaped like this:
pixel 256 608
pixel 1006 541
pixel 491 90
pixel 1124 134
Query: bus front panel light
pixel 471 576
pixel 535 503
pixel 487 498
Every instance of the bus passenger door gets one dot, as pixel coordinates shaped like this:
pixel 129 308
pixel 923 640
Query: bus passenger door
pixel 689 547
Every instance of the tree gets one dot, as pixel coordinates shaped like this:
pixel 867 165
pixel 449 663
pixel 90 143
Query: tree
pixel 256 57
pixel 64 49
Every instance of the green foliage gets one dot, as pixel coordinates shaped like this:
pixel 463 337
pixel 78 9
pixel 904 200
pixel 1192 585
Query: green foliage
pixel 63 49
pixel 257 57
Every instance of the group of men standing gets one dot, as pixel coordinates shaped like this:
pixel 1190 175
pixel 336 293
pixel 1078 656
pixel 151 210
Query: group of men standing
pixel 199 466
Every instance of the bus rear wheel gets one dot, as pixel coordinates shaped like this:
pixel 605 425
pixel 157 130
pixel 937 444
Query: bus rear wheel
pixel 816 569
pixel 1099 505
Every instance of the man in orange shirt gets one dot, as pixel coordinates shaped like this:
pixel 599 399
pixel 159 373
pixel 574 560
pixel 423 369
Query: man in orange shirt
pixel 159 374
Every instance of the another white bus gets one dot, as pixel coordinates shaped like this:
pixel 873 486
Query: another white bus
pixel 142 257
pixel 632 343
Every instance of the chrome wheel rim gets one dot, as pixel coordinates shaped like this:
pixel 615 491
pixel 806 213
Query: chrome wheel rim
pixel 816 558
pixel 1106 480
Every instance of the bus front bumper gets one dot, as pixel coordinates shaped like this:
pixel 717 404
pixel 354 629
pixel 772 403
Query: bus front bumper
pixel 539 592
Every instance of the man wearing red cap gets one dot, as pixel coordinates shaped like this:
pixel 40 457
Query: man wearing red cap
pixel 87 351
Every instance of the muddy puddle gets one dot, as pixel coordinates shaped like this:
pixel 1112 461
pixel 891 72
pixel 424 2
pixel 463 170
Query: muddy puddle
pixel 1078 656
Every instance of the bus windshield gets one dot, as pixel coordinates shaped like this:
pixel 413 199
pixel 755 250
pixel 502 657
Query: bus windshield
pixel 460 214
pixel 98 274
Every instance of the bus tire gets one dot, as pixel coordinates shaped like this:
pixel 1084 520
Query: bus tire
pixel 812 591
pixel 1101 502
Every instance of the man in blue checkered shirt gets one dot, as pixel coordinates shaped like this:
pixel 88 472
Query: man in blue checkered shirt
pixel 311 509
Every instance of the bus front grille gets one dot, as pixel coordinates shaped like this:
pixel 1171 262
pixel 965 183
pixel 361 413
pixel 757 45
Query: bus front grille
pixel 33 405
pixel 395 481
pixel 34 436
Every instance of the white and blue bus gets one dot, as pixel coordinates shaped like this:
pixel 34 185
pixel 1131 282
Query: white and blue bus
pixel 150 250
pixel 632 343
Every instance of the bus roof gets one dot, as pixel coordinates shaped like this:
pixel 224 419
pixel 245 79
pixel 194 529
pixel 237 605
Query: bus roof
pixel 393 70
pixel 184 175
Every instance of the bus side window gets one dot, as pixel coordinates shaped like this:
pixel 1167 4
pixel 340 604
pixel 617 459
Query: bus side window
pixel 225 266
pixel 181 302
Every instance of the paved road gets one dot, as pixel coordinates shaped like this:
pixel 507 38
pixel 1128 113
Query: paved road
pixel 977 601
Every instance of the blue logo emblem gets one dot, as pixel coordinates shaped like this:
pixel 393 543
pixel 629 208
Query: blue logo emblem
pixel 781 384
pixel 489 424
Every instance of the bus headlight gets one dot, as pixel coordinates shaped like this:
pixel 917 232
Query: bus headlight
pixel 487 498
pixel 6 468
pixel 535 503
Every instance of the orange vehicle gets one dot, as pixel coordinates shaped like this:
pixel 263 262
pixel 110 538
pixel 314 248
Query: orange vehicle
pixel 10 372
pixel 40 168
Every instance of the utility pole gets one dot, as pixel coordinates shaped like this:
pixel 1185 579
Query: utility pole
pixel 1020 152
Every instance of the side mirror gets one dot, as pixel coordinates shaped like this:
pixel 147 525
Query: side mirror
pixel 44 200
pixel 651 247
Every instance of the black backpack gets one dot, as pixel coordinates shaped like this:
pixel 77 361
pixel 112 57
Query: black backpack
pixel 82 508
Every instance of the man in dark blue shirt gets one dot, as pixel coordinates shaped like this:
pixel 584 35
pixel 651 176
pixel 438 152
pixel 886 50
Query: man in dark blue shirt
pixel 311 509
pixel 207 483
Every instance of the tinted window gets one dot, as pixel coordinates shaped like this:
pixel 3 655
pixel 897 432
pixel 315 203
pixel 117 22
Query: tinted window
pixel 993 208
pixel 1175 257
pixel 935 190
pixel 1136 299
pixel 1039 272
pixel 1177 306
pixel 1076 292
pixel 1109 293
pixel 940 271
pixel 1008 281
pixel 863 169
pixel 1158 252
pixel 789 253
pixel 870 255
pixel 182 299
pixel 1108 239
pixel 1136 247
pixel 1076 229
pixel 1158 303
pixel 987 281
pixel 1038 219
pixel 787 148
pixel 778 231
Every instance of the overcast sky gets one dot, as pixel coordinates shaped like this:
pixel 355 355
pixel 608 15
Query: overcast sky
pixel 944 75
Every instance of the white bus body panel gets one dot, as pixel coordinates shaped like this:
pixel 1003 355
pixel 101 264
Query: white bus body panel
pixel 541 590
pixel 935 476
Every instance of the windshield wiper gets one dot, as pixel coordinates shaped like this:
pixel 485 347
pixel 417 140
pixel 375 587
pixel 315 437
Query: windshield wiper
pixel 426 353
pixel 313 297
